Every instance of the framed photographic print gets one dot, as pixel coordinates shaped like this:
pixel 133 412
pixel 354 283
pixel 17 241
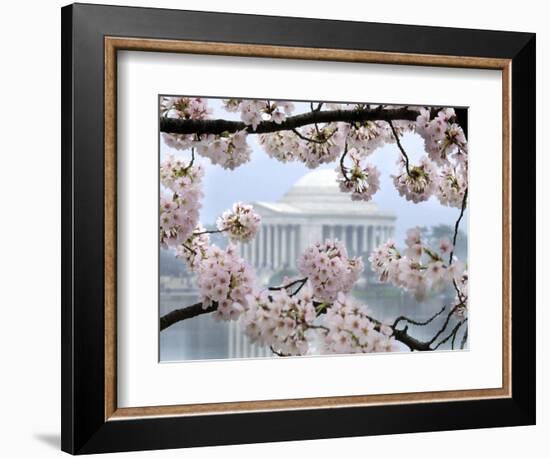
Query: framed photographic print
pixel 271 222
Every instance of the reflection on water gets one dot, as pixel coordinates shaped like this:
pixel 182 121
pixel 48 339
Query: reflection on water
pixel 204 338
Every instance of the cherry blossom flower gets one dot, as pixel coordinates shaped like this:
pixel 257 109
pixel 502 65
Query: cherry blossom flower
pixel 329 269
pixel 451 187
pixel 281 145
pixel 441 136
pixel 183 108
pixel 351 330
pixel 253 112
pixel 179 175
pixel 228 150
pixel 226 279
pixel 323 145
pixel 368 136
pixel 360 179
pixel 280 320
pixel 419 183
pixel 241 223
pixel 178 217
pixel 193 250
pixel 179 211
pixel 419 269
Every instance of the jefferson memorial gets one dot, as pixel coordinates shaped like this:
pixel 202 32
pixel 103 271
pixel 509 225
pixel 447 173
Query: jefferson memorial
pixel 313 210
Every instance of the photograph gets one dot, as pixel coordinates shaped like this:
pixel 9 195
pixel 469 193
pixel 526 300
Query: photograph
pixel 310 228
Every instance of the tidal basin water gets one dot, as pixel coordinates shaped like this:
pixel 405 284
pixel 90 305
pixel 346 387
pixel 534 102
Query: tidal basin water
pixel 203 337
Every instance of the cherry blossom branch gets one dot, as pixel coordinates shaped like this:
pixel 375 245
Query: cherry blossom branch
pixel 451 334
pixel 185 313
pixel 417 323
pixel 300 281
pixel 342 166
pixel 464 339
pixel 401 335
pixel 278 353
pixel 219 126
pixel 194 310
pixel 309 140
pixel 212 231
pixel 403 153
pixel 186 169
pixel 457 223
pixel 445 324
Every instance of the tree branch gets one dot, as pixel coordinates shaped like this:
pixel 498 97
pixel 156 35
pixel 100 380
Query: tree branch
pixel 403 153
pixel 219 126
pixel 185 313
pixel 457 223
pixel 417 323
pixel 194 310
pixel 300 281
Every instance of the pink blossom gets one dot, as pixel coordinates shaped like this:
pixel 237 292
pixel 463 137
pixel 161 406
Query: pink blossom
pixel 360 179
pixel 241 223
pixel 329 269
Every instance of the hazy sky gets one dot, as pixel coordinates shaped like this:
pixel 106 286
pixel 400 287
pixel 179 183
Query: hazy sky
pixel 266 179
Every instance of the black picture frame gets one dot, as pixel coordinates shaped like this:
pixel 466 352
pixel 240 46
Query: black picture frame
pixel 84 427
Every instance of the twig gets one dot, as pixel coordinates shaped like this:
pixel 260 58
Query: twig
pixel 301 282
pixel 417 323
pixel 457 223
pixel 278 353
pixel 464 339
pixel 445 324
pixel 213 231
pixel 453 332
pixel 342 166
pixel 192 161
pixel 188 248
pixel 400 147
pixel 313 140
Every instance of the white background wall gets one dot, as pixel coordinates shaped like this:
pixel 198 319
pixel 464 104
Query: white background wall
pixel 30 227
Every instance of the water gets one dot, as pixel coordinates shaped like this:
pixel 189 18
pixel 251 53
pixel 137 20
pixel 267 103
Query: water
pixel 203 337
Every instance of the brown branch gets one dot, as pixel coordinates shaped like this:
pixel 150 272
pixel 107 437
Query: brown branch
pixel 213 231
pixel 445 324
pixel 278 353
pixel 309 140
pixel 457 223
pixel 300 281
pixel 192 160
pixel 342 166
pixel 185 313
pixel 451 334
pixel 417 323
pixel 194 310
pixel 403 153
pixel 464 339
pixel 220 126
pixel 402 336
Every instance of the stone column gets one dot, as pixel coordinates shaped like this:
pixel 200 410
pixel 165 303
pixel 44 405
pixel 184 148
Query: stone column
pixel 276 247
pixel 353 242
pixel 371 237
pixel 260 238
pixel 284 245
pixel 291 243
pixel 268 259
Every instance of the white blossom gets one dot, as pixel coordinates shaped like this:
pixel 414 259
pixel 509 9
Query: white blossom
pixel 241 223
pixel 329 269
